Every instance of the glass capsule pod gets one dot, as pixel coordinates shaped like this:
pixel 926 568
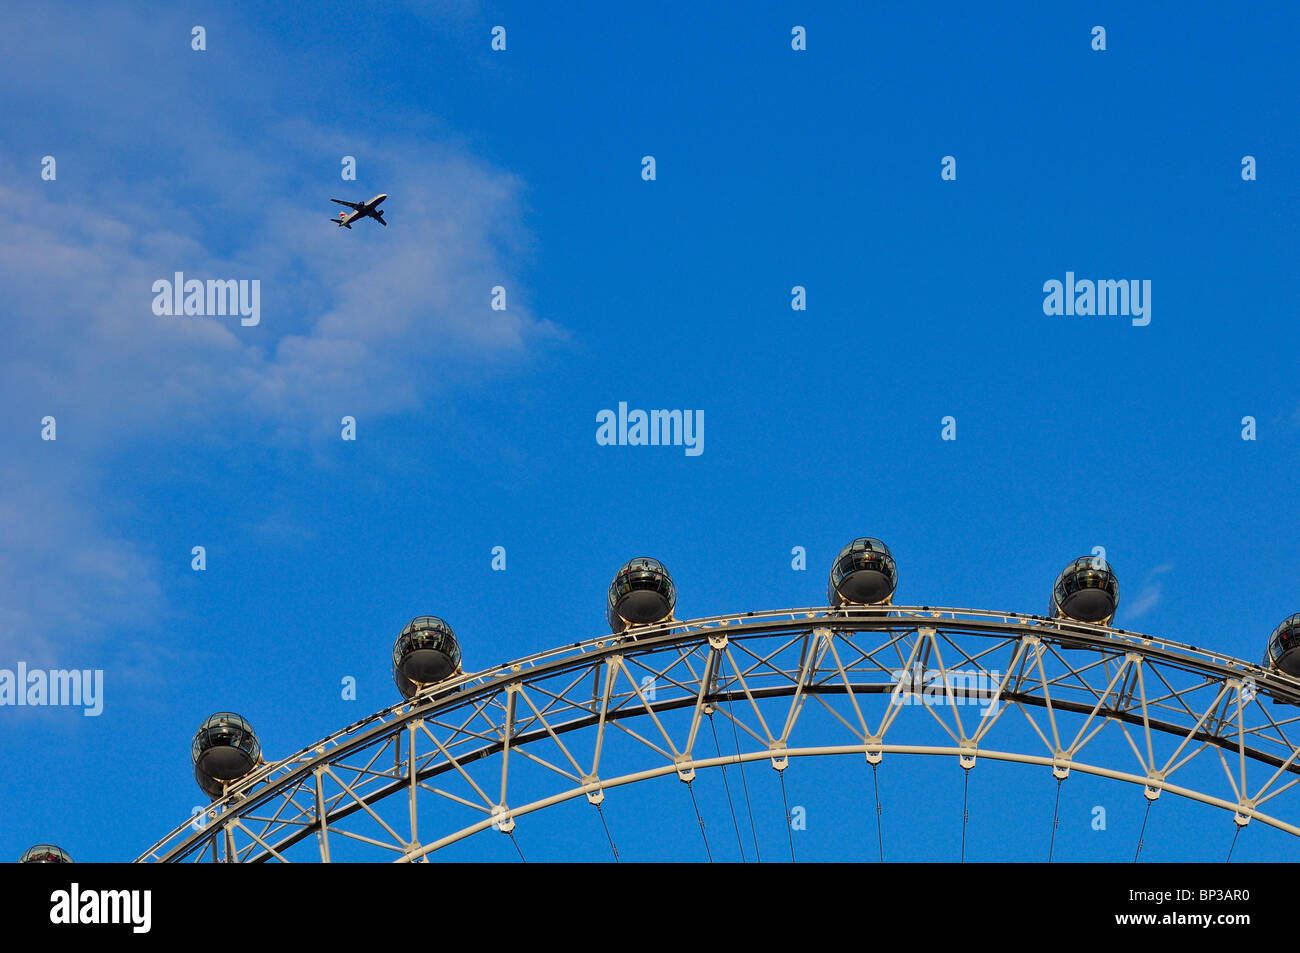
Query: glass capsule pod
pixel 425 653
pixel 45 854
pixel 1086 591
pixel 642 593
pixel 863 574
pixel 1284 646
pixel 225 749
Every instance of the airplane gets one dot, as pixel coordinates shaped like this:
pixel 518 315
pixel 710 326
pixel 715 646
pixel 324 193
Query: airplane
pixel 360 210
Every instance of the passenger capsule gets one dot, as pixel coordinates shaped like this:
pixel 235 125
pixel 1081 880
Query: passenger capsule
pixel 1284 646
pixel 642 593
pixel 224 750
pixel 864 574
pixel 1086 591
pixel 426 652
pixel 45 854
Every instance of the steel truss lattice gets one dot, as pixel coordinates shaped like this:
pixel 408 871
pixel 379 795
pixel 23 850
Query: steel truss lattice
pixel 453 754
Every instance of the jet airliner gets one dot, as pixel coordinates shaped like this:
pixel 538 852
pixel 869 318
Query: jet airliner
pixel 360 210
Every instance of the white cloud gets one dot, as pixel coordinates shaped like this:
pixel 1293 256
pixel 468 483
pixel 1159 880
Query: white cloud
pixel 65 581
pixel 1150 593
pixel 369 322
pixel 374 319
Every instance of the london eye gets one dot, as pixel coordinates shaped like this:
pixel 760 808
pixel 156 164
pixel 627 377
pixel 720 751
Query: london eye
pixel 487 754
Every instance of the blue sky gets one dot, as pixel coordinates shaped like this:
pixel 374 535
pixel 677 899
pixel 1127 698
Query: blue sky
pixel 476 428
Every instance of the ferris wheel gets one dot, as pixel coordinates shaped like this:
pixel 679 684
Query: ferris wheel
pixel 487 754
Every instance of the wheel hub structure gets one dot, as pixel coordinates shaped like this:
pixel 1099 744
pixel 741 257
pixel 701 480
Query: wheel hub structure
pixel 486 751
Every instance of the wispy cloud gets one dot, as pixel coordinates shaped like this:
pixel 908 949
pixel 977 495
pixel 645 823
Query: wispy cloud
pixel 372 322
pixel 1150 593
pixel 65 581
pixel 375 323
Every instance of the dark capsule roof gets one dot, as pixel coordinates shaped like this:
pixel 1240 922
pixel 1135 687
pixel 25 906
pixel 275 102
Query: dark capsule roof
pixel 223 718
pixel 45 854
pixel 1291 622
pixel 427 632
pixel 641 573
pixel 1088 562
pixel 1284 638
pixel 225 728
pixel 643 564
pixel 426 623
pixel 864 543
pixel 1086 572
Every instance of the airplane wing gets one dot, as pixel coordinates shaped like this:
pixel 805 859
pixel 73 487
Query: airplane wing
pixel 352 205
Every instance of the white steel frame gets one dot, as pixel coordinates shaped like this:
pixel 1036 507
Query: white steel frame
pixel 758 671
